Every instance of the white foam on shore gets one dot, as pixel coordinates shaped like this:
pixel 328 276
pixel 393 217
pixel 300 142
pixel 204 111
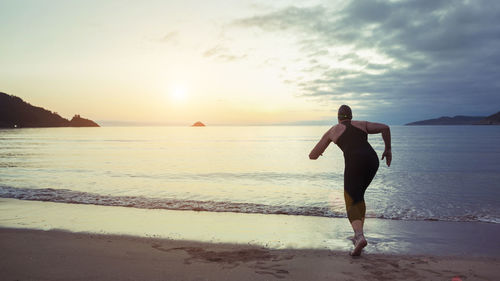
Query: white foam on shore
pixel 272 231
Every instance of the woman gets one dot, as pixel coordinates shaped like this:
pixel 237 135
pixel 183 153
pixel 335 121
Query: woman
pixel 361 164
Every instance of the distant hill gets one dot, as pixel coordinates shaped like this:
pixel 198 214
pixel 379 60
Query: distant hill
pixel 461 120
pixel 14 112
pixel 491 120
pixel 445 120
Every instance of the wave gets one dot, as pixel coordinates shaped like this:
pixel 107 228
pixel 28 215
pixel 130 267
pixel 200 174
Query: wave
pixel 78 197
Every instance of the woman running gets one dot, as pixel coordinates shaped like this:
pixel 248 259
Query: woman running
pixel 361 164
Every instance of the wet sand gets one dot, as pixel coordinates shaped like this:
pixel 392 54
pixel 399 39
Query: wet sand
pixel 433 238
pixel 59 255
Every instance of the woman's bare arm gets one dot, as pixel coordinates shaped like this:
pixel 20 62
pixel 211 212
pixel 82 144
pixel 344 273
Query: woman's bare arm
pixel 320 146
pixel 375 128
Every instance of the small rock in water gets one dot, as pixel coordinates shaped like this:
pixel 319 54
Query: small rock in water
pixel 198 124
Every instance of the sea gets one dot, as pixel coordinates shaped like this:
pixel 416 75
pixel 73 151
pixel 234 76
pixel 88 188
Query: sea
pixel 438 173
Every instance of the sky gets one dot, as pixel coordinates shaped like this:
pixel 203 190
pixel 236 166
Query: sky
pixel 227 62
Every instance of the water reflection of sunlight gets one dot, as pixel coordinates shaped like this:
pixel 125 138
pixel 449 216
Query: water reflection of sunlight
pixel 336 200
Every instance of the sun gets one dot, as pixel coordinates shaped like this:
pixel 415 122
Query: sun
pixel 178 93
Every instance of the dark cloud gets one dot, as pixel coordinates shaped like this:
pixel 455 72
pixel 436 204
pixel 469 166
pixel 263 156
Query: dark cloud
pixel 438 57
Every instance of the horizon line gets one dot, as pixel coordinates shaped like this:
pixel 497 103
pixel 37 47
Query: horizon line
pixel 110 123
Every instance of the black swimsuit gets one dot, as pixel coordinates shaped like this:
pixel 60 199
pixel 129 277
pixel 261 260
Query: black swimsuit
pixel 361 165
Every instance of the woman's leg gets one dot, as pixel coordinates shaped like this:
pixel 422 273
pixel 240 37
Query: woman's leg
pixel 358 174
pixel 356 215
pixel 359 237
pixel 357 226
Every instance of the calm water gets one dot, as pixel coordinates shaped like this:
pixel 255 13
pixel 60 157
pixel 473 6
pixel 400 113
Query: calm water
pixel 449 173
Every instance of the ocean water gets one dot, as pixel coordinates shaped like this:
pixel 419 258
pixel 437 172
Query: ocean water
pixel 443 173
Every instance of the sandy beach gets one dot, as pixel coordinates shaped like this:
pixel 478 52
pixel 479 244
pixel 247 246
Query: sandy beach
pixel 59 241
pixel 60 255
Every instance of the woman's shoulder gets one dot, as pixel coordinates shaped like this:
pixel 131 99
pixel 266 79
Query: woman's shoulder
pixel 336 131
pixel 360 124
pixel 336 128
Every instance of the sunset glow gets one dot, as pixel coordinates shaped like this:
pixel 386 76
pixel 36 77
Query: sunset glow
pixel 278 62
pixel 249 140
pixel 178 93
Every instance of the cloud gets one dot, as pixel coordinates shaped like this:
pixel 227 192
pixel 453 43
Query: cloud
pixel 420 57
pixel 222 53
pixel 171 37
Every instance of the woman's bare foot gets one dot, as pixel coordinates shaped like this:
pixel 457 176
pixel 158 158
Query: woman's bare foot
pixel 359 245
pixel 353 240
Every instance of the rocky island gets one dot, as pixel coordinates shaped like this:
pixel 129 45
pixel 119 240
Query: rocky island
pixel 198 124
pixel 16 113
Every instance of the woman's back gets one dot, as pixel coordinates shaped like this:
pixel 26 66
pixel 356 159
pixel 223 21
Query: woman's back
pixel 352 138
pixel 354 141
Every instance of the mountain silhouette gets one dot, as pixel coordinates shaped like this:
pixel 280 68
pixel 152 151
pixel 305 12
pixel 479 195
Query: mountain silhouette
pixel 493 119
pixel 16 113
pixel 461 120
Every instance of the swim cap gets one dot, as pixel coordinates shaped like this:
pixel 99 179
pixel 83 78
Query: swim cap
pixel 344 112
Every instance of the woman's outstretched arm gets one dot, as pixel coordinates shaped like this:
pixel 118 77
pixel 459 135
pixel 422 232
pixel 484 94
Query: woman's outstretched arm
pixel 375 128
pixel 320 146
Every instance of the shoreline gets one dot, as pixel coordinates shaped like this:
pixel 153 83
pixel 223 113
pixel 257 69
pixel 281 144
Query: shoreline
pixel 140 202
pixel 28 254
pixel 270 231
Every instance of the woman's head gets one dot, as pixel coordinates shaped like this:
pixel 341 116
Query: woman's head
pixel 344 113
